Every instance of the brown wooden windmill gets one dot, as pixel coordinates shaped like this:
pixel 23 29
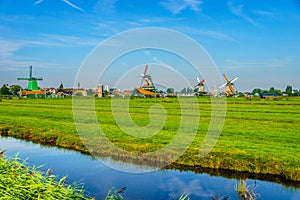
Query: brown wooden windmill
pixel 199 87
pixel 229 90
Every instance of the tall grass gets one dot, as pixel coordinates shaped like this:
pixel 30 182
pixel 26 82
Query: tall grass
pixel 246 192
pixel 19 181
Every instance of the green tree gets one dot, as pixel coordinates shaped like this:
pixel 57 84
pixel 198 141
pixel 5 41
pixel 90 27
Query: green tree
pixel 256 90
pixel 89 92
pixel 289 90
pixel 170 90
pixel 61 87
pixel 190 90
pixel 278 92
pixel 272 89
pixel 105 93
pixel 5 90
pixel 14 89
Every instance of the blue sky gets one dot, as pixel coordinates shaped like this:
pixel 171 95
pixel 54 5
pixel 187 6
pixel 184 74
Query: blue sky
pixel 256 40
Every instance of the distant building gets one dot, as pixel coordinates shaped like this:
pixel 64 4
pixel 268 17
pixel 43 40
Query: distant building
pixel 79 92
pixel 106 88
pixel 99 91
pixel 33 94
pixel 127 93
pixel 268 94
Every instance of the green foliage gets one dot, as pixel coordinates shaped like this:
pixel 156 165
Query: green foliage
pixel 187 90
pixel 289 90
pixel 257 90
pixel 19 181
pixel 15 89
pixel 89 92
pixel 170 90
pixel 105 93
pixel 184 197
pixel 278 92
pixel 246 192
pixel 272 89
pixel 4 90
pixel 61 87
pixel 113 195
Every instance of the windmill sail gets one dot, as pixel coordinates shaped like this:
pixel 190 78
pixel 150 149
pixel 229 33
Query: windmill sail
pixel 229 90
pixel 32 81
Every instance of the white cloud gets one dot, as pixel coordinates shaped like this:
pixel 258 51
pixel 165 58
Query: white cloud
pixel 38 2
pixel 217 35
pixel 105 5
pixel 177 187
pixel 176 6
pixel 239 11
pixel 73 5
pixel 209 33
pixel 67 40
pixel 266 64
pixel 9 47
pixel 158 19
pixel 7 54
pixel 65 1
pixel 264 13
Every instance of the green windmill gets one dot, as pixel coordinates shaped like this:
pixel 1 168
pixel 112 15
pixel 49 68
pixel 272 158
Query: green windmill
pixel 32 81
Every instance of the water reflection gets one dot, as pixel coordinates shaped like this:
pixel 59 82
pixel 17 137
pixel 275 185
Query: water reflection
pixel 162 184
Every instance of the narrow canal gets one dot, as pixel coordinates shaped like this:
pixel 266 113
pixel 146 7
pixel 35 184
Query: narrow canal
pixel 160 184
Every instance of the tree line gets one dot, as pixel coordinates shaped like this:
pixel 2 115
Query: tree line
pixel 288 91
pixel 10 90
pixel 15 89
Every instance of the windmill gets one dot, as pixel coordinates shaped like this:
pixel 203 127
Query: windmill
pixel 147 87
pixel 229 85
pixel 33 89
pixel 199 87
pixel 32 81
pixel 147 83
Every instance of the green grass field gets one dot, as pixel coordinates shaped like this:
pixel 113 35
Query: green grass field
pixel 259 136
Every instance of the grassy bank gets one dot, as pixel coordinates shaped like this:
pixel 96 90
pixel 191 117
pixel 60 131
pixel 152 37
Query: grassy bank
pixel 19 181
pixel 259 136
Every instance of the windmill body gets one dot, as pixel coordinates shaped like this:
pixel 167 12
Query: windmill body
pixel 147 83
pixel 147 87
pixel 32 81
pixel 33 89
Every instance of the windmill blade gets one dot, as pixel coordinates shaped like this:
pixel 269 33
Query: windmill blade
pixel 199 82
pixel 236 78
pixel 223 85
pixel 30 72
pixel 23 79
pixel 146 69
pixel 195 85
pixel 226 78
